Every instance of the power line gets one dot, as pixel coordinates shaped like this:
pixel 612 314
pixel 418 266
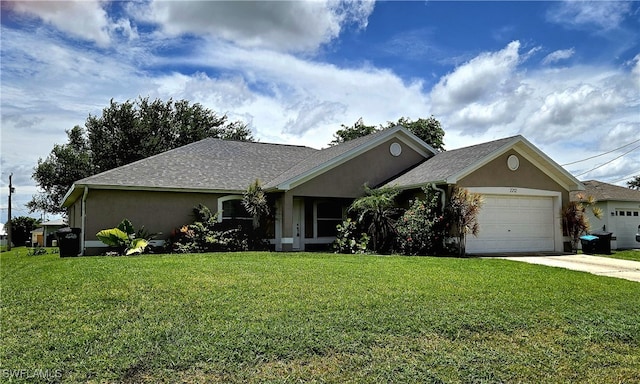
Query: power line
pixel 634 174
pixel 602 154
pixel 615 158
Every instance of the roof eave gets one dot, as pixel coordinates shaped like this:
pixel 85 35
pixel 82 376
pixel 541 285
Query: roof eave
pixel 75 187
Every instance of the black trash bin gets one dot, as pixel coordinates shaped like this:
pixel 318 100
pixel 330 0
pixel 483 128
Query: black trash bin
pixel 589 244
pixel 68 241
pixel 603 246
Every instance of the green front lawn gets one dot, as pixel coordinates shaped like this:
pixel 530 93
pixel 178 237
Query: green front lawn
pixel 268 317
pixel 631 254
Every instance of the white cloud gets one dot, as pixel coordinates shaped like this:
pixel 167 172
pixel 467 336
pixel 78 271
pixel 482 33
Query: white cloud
pixel 482 92
pixel 83 19
pixel 564 107
pixel 279 25
pixel 558 55
pixel 604 15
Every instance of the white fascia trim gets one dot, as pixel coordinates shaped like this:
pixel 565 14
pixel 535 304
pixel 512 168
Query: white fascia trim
pixel 412 141
pixel 419 185
pixel 453 179
pixel 514 191
pixel 577 185
pixel 513 145
pixel 162 189
pixel 68 194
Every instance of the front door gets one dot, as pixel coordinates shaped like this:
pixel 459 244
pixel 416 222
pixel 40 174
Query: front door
pixel 298 224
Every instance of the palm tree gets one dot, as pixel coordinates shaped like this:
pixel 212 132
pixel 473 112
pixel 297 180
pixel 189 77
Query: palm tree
pixel 574 218
pixel 254 201
pixel 464 208
pixel 377 212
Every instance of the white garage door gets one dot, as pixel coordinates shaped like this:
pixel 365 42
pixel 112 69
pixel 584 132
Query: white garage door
pixel 626 227
pixel 514 224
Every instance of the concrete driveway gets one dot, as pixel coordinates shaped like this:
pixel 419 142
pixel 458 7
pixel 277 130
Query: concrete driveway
pixel 603 266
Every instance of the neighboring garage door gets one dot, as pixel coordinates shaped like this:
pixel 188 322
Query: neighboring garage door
pixel 627 222
pixel 514 224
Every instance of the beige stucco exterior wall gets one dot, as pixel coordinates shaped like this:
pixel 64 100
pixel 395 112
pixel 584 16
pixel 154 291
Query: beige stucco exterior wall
pixel 74 214
pixel 497 174
pixel 373 167
pixel 157 211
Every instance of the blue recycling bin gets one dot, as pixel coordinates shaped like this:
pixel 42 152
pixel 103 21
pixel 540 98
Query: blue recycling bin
pixel 589 244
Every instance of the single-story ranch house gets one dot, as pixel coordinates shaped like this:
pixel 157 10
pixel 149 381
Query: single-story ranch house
pixel 524 189
pixel 620 212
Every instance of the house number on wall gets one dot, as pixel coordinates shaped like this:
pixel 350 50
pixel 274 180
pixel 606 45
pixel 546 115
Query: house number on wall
pixel 513 190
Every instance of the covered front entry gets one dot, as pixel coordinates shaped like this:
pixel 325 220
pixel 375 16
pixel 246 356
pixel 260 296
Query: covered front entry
pixel 313 222
pixel 516 223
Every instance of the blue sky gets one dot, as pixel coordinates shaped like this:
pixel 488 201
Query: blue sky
pixel 566 75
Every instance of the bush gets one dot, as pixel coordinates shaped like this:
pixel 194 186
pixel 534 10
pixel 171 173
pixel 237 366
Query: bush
pixel 348 241
pixel 125 240
pixel 207 235
pixel 422 229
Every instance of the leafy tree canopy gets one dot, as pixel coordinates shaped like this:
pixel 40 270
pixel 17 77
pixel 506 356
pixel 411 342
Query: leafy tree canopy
pixel 429 130
pixel 124 133
pixel 21 228
pixel 347 133
pixel 634 183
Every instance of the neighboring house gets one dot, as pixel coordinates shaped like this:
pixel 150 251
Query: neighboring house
pixel 3 236
pixel 524 189
pixel 37 238
pixel 621 212
pixel 44 235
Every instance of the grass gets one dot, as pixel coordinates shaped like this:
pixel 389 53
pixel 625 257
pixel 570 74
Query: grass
pixel 630 254
pixel 280 318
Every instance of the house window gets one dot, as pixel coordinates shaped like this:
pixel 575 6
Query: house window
pixel 230 208
pixel 328 215
pixel 635 213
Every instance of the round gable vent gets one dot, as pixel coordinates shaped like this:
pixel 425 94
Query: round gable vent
pixel 513 162
pixel 395 149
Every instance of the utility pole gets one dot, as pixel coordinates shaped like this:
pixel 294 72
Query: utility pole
pixel 9 236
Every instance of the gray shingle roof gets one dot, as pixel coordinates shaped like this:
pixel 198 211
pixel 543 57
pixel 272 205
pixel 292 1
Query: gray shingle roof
pixel 607 192
pixel 209 164
pixel 446 164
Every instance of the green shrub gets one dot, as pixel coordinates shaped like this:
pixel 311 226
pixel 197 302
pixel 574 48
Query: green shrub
pixel 124 239
pixel 206 234
pixel 349 239
pixel 422 229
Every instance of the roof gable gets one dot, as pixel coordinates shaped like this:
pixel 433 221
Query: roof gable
pixel 331 157
pixel 451 166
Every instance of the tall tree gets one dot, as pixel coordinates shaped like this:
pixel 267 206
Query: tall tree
pixel 133 130
pixel 65 164
pixel 429 130
pixel 347 133
pixel 21 228
pixel 124 133
pixel 634 183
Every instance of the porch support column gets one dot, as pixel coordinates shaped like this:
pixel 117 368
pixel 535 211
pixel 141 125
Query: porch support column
pixel 287 222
